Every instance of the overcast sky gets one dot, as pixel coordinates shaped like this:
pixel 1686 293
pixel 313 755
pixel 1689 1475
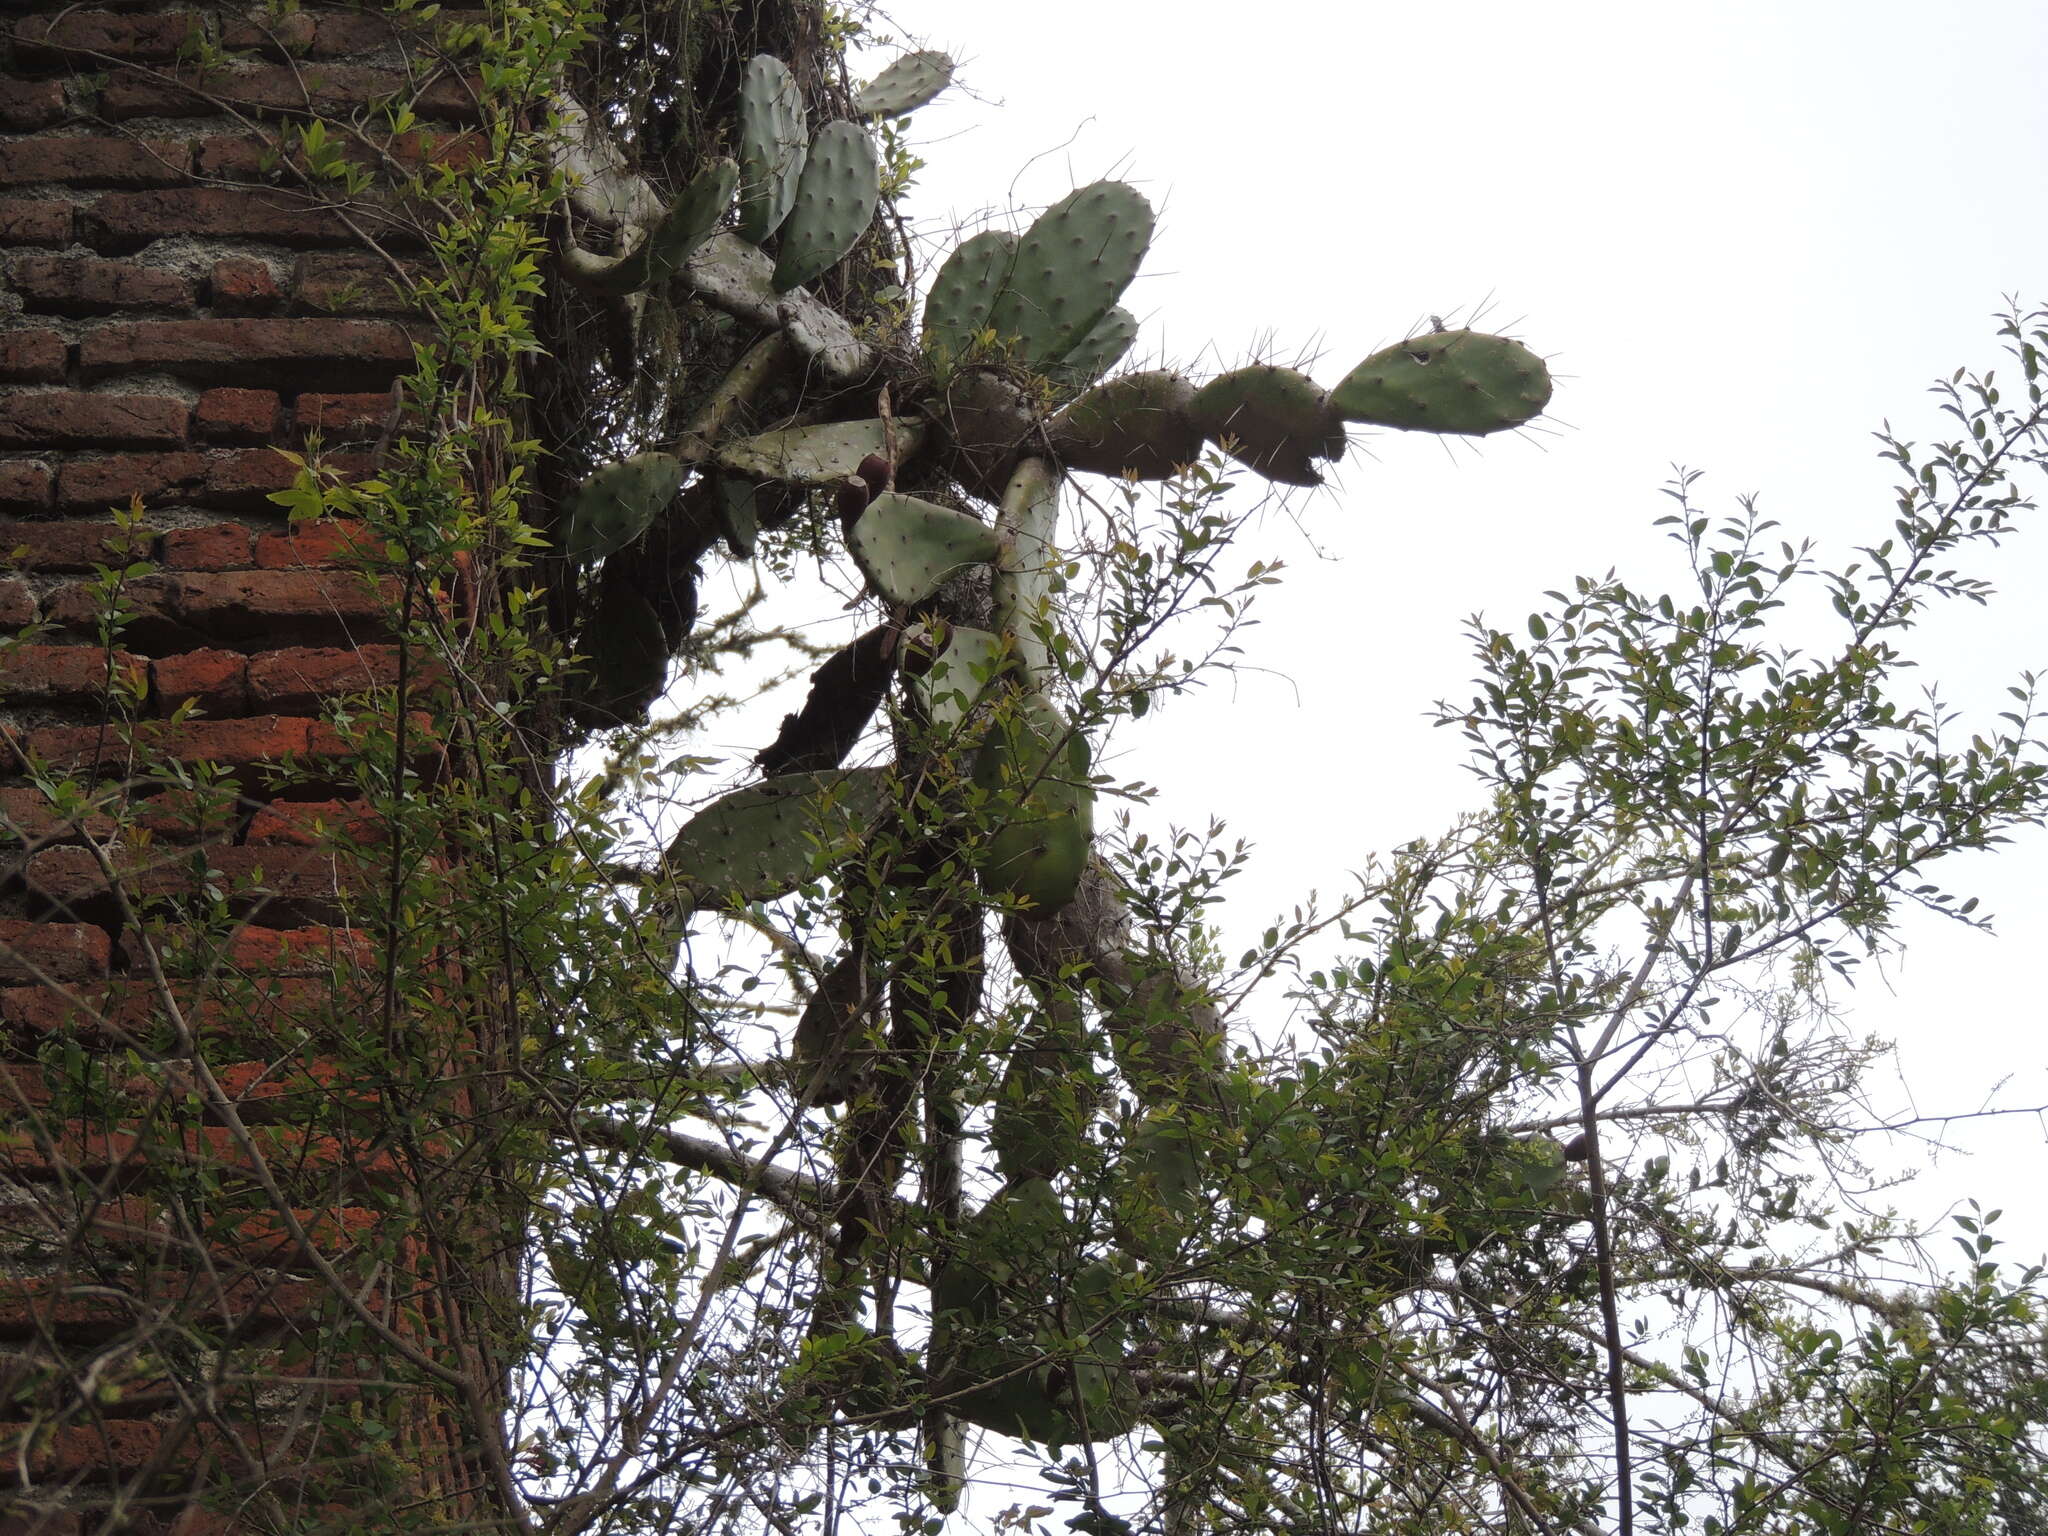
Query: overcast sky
pixel 1744 234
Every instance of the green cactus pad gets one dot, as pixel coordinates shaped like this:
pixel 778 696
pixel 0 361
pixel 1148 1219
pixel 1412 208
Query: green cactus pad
pixel 773 132
pixel 960 676
pixel 1072 265
pixel 1447 381
pixel 1037 1124
pixel 818 456
pixel 739 517
pixel 1279 421
pixel 615 505
pixel 988 420
pixel 907 548
pixel 671 244
pixel 626 662
pixel 1095 353
pixel 766 840
pixel 907 84
pixel 835 203
pixel 1035 768
pixel 1137 425
pixel 964 295
pixel 1028 522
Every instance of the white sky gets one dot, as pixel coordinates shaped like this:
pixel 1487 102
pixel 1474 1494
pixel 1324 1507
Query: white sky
pixel 1743 233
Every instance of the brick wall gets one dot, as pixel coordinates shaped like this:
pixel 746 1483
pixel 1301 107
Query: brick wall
pixel 177 308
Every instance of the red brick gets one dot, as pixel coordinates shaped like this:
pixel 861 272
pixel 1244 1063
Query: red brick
pixel 235 157
pixel 24 487
pixel 344 417
pixel 17 604
pixel 236 415
pixel 62 673
pixel 242 285
pixel 23 222
pixel 149 607
pixel 116 480
pixel 252 950
pixel 301 680
pixel 67 546
pixel 350 284
pixel 305 881
pixel 125 221
pixel 280 605
pixel 93 162
pixel 86 285
pixel 216 681
pixel 43 42
pixel 327 88
pixel 26 105
pixel 27 816
pixel 119 1009
pixel 330 541
pixel 230 743
pixel 32 357
pixel 289 36
pixel 216 547
pixel 246 480
pixel 263 351
pixel 52 951
pixel 69 418
pixel 189 815
pixel 310 823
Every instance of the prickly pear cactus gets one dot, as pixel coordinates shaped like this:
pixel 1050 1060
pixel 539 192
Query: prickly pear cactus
pixel 1108 339
pixel 963 297
pixel 1137 425
pixel 1035 769
pixel 820 456
pixel 1278 421
pixel 960 676
pixel 907 547
pixel 1447 381
pixel 774 132
pixel 766 840
pixel 834 204
pixel 615 504
pixel 673 241
pixel 907 84
pixel 1073 264
pixel 627 660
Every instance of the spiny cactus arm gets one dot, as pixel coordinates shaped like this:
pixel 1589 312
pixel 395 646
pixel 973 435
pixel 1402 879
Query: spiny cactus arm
pixel 1027 523
pixel 747 378
pixel 844 694
pixel 601 187
pixel 738 278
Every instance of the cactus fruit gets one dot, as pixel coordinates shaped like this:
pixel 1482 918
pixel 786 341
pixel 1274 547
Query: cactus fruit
pixel 819 456
pixel 766 840
pixel 1137 425
pixel 907 84
pixel 907 548
pixel 959 677
pixel 1447 381
pixel 773 132
pixel 964 295
pixel 627 660
pixel 1279 419
pixel 1028 521
pixel 1073 264
pixel 1095 353
pixel 835 202
pixel 615 504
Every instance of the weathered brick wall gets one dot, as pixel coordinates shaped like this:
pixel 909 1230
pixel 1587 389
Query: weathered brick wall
pixel 178 306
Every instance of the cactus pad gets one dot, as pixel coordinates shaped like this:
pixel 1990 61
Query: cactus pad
pixel 818 456
pixel 1095 353
pixel 1447 381
pixel 615 505
pixel 766 840
pixel 1035 768
pixel 1073 264
pixel 907 547
pixel 988 421
pixel 959 677
pixel 1137 425
pixel 773 132
pixel 907 84
pixel 626 661
pixel 739 518
pixel 1022 591
pixel 1279 419
pixel 834 204
pixel 964 295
